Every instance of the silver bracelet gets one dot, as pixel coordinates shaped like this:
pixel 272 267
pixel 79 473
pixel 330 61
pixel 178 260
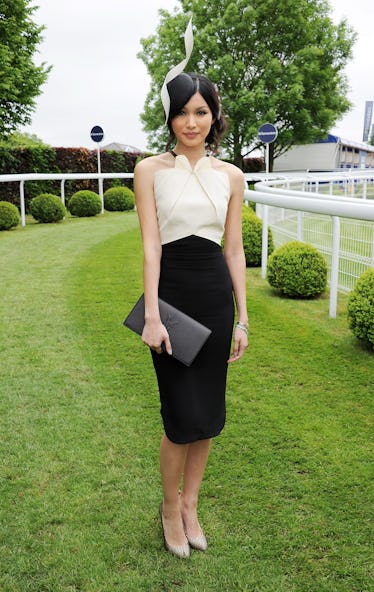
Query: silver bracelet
pixel 242 326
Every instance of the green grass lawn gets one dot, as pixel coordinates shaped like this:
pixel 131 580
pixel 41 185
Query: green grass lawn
pixel 287 499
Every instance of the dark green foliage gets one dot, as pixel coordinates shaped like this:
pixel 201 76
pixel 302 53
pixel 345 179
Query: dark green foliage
pixel 9 215
pixel 119 199
pixel 47 208
pixel 20 78
pixel 84 203
pixel 361 308
pixel 44 159
pixel 253 165
pixel 274 61
pixel 33 159
pixel 298 270
pixel 252 238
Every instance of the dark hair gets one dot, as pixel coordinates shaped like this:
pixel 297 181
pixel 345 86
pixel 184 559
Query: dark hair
pixel 181 89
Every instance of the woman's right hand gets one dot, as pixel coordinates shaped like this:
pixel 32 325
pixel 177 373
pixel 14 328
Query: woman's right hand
pixel 154 335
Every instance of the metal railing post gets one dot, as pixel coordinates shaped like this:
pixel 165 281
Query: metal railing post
pixel 334 266
pixel 300 226
pixel 63 191
pixel 264 250
pixel 22 202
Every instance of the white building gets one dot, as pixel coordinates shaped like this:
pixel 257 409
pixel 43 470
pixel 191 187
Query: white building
pixel 325 155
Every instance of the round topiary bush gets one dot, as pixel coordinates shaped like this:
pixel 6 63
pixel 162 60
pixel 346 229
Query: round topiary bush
pixel 298 270
pixel 9 215
pixel 47 208
pixel 119 199
pixel 361 308
pixel 84 203
pixel 252 238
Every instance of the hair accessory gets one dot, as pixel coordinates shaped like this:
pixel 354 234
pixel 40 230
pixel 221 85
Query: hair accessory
pixel 178 69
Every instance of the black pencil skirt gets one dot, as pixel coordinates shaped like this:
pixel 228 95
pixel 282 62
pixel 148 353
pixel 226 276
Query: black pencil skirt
pixel 194 277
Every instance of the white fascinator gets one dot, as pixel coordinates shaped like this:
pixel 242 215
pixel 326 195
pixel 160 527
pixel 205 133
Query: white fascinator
pixel 176 70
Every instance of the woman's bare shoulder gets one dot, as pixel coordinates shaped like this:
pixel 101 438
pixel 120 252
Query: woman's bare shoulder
pixel 152 164
pixel 235 173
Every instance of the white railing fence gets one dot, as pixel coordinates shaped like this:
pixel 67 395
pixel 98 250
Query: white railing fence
pixel 333 211
pixel 319 209
pixel 21 179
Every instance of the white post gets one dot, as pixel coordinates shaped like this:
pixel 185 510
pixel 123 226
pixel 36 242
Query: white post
pixel 300 226
pixel 22 202
pixel 101 193
pixel 267 158
pixel 63 191
pixel 364 189
pixel 334 266
pixel 352 187
pixel 264 249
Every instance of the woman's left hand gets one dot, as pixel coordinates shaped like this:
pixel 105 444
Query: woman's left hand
pixel 240 345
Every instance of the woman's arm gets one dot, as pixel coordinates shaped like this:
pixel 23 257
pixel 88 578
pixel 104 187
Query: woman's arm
pixel 154 333
pixel 235 259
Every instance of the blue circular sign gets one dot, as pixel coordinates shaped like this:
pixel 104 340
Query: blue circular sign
pixel 267 133
pixel 97 133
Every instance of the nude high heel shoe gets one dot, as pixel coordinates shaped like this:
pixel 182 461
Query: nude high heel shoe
pixel 199 543
pixel 181 551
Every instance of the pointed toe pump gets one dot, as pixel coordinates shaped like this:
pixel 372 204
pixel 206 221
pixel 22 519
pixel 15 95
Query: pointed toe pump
pixel 199 543
pixel 181 551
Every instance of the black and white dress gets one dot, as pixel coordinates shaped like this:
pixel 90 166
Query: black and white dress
pixel 191 209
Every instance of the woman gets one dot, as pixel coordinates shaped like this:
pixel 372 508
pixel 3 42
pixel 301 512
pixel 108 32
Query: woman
pixel 186 201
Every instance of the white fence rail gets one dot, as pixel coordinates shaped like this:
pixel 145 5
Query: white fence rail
pixel 317 208
pixel 333 211
pixel 21 179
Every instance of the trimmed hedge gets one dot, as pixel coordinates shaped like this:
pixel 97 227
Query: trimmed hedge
pixel 119 199
pixel 9 215
pixel 253 164
pixel 298 270
pixel 84 203
pixel 360 308
pixel 47 208
pixel 252 238
pixel 45 159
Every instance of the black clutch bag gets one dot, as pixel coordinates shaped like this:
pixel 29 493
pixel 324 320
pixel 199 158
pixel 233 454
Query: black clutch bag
pixel 187 336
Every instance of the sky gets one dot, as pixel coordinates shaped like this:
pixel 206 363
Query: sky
pixel 97 78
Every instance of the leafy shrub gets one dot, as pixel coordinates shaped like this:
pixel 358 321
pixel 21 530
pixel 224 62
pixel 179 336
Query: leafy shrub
pixel 36 158
pixel 252 238
pixel 298 270
pixel 361 308
pixel 47 208
pixel 9 215
pixel 119 199
pixel 84 203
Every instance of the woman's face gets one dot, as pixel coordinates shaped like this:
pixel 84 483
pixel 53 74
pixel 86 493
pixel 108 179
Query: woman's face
pixel 192 124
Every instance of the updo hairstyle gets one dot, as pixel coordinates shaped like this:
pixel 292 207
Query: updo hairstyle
pixel 181 89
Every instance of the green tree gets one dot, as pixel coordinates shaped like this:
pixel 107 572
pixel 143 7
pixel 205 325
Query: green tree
pixel 20 78
pixel 278 61
pixel 22 140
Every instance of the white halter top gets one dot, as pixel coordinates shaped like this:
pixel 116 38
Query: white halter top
pixel 191 201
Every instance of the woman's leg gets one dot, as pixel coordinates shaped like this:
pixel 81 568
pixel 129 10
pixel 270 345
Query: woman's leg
pixel 172 462
pixel 194 467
